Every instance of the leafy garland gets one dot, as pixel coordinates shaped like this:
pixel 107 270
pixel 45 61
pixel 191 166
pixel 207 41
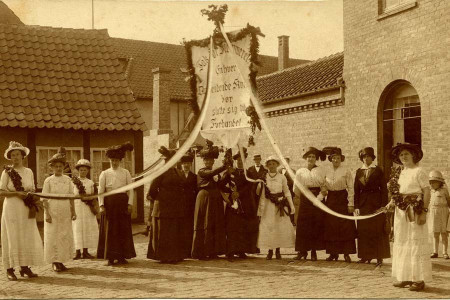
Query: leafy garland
pixel 82 191
pixel 31 201
pixel 403 202
pixel 217 15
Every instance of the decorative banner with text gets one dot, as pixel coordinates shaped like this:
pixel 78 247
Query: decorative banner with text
pixel 226 120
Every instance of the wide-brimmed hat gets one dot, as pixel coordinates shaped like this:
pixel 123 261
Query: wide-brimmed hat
pixel 16 146
pixel 435 175
pixel 257 156
pixel 60 156
pixel 83 163
pixel 272 158
pixel 187 158
pixel 118 151
pixel 366 151
pixel 332 151
pixel 237 155
pixel 319 154
pixel 414 149
pixel 167 153
pixel 210 151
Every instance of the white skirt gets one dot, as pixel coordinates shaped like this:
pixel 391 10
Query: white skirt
pixel 85 227
pixel 275 231
pixel 58 236
pixel 411 251
pixel 21 241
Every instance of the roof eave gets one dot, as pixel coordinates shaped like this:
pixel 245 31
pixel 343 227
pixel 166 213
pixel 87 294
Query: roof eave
pixel 308 93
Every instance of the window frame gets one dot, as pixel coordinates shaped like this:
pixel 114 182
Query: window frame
pixel 384 12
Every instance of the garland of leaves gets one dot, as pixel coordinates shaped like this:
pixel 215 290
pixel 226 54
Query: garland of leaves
pixel 403 202
pixel 82 191
pixel 30 200
pixel 217 15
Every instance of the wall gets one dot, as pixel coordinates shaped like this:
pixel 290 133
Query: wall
pixel 145 107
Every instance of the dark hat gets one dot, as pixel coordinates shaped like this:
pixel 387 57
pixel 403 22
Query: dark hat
pixel 316 152
pixel 167 153
pixel 118 151
pixel 187 157
pixel 256 156
pixel 60 156
pixel 332 151
pixel 210 151
pixel 366 151
pixel 414 149
pixel 237 155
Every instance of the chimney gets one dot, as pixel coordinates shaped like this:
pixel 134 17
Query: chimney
pixel 283 52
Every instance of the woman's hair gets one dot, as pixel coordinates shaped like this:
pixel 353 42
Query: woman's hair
pixel 21 152
pixel 413 154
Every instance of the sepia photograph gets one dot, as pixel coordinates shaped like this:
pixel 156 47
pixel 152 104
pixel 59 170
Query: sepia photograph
pixel 224 149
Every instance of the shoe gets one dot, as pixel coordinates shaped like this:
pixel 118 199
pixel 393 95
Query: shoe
pixel 86 255
pixel 369 261
pixel 379 263
pixel 446 256
pixel 122 261
pixel 269 255
pixel 77 255
pixel 434 255
pixel 62 267
pixel 242 255
pixel 301 255
pixel 110 262
pixel 417 286
pixel 277 253
pixel 362 261
pixel 313 255
pixel 27 271
pixel 347 258
pixel 56 267
pixel 10 274
pixel 230 257
pixel 332 257
pixel 402 284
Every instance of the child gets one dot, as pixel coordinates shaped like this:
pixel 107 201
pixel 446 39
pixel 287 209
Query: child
pixel 440 203
pixel 58 236
pixel 85 227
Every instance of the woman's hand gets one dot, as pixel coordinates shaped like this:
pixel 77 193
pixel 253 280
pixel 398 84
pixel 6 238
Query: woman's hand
pixel 357 213
pixel 48 218
pixel 422 218
pixel 21 195
pixel 74 215
pixel 102 209
pixel 130 209
pixel 350 209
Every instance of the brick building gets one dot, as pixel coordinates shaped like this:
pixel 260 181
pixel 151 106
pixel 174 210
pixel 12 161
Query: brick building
pixel 394 87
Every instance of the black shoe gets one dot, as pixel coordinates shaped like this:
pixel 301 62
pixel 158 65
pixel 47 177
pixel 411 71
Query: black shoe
pixel 27 271
pixel 62 267
pixel 122 261
pixel 56 267
pixel 242 255
pixel 434 255
pixel 301 255
pixel 347 258
pixel 86 255
pixel 332 257
pixel 402 284
pixel 110 262
pixel 77 255
pixel 417 286
pixel 313 255
pixel 10 274
pixel 379 263
pixel 277 253
pixel 269 255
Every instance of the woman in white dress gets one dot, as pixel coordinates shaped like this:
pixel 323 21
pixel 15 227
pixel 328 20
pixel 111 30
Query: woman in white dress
pixel 58 236
pixel 85 227
pixel 21 241
pixel 411 264
pixel 275 209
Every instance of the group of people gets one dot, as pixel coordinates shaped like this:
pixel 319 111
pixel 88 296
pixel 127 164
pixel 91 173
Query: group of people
pixel 232 211
pixel 70 215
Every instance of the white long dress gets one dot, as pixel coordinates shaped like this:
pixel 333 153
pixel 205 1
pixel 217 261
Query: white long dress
pixel 58 236
pixel 85 227
pixel 275 231
pixel 411 251
pixel 21 241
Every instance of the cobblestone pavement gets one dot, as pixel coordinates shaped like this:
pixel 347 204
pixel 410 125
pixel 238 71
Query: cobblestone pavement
pixel 252 277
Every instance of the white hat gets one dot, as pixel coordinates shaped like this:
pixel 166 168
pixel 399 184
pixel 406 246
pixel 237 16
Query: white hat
pixel 82 163
pixel 16 146
pixel 272 158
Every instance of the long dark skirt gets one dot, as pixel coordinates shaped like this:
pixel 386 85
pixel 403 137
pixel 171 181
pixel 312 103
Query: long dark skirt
pixel 310 225
pixel 116 236
pixel 235 230
pixel 209 225
pixel 373 242
pixel 166 242
pixel 339 233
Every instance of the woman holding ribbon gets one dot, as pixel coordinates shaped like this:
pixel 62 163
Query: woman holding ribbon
pixel 339 233
pixel 21 241
pixel 85 227
pixel 275 209
pixel 116 236
pixel 309 235
pixel 370 196
pixel 410 195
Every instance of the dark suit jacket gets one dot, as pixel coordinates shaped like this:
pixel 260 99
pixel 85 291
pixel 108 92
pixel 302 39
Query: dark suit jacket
pixel 189 185
pixel 253 174
pixel 167 192
pixel 370 194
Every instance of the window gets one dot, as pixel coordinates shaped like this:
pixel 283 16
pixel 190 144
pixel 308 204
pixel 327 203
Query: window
pixel 73 154
pixel 100 162
pixel 390 7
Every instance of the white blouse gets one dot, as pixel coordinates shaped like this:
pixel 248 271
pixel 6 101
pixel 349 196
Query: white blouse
pixel 6 183
pixel 113 179
pixel 340 179
pixel 58 186
pixel 309 179
pixel 412 181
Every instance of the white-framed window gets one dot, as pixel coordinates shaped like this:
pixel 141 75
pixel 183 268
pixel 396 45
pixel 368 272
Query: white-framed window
pixel 43 154
pixel 389 7
pixel 100 162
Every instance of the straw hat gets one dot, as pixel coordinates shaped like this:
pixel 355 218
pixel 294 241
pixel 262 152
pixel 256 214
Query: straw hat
pixel 16 146
pixel 436 176
pixel 83 163
pixel 273 158
pixel 60 156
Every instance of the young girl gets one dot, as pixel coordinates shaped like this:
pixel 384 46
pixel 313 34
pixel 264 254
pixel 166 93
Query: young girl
pixel 85 227
pixel 440 203
pixel 58 236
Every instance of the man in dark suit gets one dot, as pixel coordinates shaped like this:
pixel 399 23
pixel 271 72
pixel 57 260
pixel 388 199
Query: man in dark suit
pixel 256 171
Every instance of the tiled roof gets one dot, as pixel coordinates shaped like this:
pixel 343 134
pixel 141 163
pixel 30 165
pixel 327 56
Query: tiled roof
pixel 148 55
pixel 309 77
pixel 63 78
pixel 7 16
